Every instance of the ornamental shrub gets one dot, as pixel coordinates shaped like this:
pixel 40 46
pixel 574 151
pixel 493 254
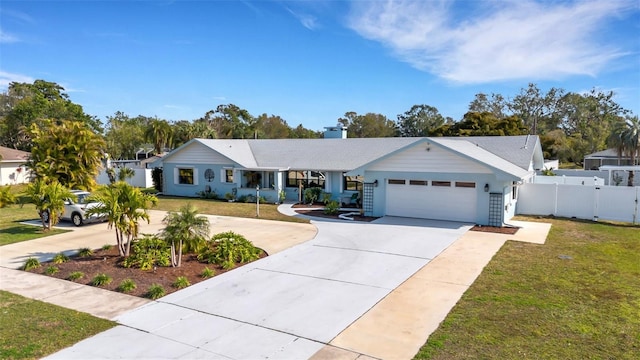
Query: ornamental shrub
pixel 228 248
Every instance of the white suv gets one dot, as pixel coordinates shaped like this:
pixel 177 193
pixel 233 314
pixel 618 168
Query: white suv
pixel 74 211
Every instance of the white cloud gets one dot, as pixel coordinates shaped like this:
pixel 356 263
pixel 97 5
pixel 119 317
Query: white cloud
pixel 7 78
pixel 479 42
pixel 308 21
pixel 6 38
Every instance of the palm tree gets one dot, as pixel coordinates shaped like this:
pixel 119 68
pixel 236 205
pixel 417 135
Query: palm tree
pixel 160 134
pixel 187 229
pixel 124 206
pixel 625 138
pixel 49 199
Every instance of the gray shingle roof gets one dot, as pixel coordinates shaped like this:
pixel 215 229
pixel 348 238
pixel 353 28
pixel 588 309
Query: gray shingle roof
pixel 349 154
pixel 9 154
pixel 518 150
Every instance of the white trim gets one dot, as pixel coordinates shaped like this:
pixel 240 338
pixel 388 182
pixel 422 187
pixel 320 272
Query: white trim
pixel 176 174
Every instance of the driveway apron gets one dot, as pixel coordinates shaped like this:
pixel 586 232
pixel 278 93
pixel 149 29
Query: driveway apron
pixel 286 306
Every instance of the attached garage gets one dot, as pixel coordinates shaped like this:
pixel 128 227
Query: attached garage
pixel 432 199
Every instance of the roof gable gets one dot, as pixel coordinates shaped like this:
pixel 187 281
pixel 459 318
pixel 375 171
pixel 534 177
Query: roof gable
pixel 13 155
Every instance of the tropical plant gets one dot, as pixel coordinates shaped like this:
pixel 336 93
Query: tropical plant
pixel 60 258
pixel 51 270
pixel 85 252
pixel 228 248
pixel 184 231
pixel 31 263
pixel 312 194
pixel 625 138
pixel 124 206
pixel 121 174
pixel 181 282
pixel 66 151
pixel 49 200
pixel 156 176
pixel 155 291
pixel 547 172
pixel 6 196
pixel 332 207
pixel 148 251
pixel 127 285
pixel 76 275
pixel 101 280
pixel 159 133
pixel 207 273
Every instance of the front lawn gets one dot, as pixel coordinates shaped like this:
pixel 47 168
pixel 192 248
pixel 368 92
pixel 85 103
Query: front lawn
pixel 32 329
pixel 217 207
pixel 12 231
pixel 576 297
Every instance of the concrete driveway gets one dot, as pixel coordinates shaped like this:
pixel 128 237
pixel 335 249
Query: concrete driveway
pixel 271 236
pixel 286 306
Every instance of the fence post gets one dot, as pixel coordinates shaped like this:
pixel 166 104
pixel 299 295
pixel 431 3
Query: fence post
pixel 596 199
pixel 635 211
pixel 555 201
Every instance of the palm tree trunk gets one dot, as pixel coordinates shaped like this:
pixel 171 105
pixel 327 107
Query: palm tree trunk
pixel 630 180
pixel 119 242
pixel 180 254
pixel 173 254
pixel 129 241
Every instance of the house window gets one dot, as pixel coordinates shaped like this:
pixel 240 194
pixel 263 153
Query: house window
pixel 396 182
pixel 514 191
pixel 228 175
pixel 252 179
pixel 308 178
pixel 441 183
pixel 465 184
pixel 353 183
pixel 418 182
pixel 185 176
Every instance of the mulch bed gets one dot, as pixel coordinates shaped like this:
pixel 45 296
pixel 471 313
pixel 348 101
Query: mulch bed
pixel 495 229
pixel 109 262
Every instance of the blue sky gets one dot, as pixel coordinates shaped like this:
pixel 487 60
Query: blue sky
pixel 311 61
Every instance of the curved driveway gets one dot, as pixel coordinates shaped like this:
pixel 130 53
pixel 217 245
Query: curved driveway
pixel 286 306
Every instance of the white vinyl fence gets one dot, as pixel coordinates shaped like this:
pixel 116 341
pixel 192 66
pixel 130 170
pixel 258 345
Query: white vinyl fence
pixel 570 180
pixel 617 203
pixel 142 178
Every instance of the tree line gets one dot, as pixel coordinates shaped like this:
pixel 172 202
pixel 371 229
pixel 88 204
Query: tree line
pixel 570 125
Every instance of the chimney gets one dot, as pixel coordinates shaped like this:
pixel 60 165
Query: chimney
pixel 335 132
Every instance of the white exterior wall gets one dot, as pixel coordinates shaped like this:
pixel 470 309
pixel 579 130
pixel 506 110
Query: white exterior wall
pixel 583 202
pixel 436 159
pixel 9 174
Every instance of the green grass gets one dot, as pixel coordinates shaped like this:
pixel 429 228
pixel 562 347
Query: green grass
pixel 11 231
pixel 224 208
pixel 530 303
pixel 32 329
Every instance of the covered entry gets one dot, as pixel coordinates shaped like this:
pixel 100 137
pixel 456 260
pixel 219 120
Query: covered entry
pixel 432 199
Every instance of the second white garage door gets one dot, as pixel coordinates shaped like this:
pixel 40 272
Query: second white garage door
pixel 421 199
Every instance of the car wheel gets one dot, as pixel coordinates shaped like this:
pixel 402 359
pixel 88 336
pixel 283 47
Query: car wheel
pixel 45 216
pixel 76 219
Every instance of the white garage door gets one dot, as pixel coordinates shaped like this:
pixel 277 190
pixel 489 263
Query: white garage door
pixel 442 200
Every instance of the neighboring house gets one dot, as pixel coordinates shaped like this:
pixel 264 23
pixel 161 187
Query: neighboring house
pixel 469 179
pixel 606 157
pixel 12 169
